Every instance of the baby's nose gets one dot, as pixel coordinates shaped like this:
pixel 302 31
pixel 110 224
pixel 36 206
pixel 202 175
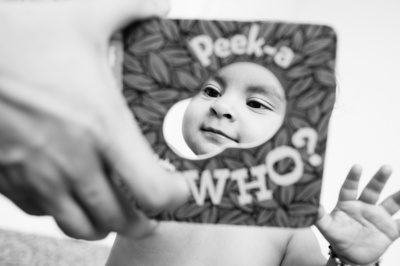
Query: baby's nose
pixel 221 109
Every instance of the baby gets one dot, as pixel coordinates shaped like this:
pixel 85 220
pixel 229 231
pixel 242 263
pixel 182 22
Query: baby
pixel 243 103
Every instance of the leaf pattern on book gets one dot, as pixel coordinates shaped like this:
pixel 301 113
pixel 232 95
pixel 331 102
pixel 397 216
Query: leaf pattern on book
pixel 227 27
pixel 298 122
pixel 139 82
pixel 176 56
pixel 298 40
pixel 164 95
pixel 302 209
pixel 329 101
pixel 234 217
pixel 131 63
pixel 187 25
pixel 189 210
pixel 281 218
pixel 318 59
pixel 299 72
pixel 316 45
pixel 148 43
pixel 267 30
pixel 286 30
pixel 209 28
pixel 282 139
pixel 145 115
pixel 325 77
pixel 210 215
pixel 314 114
pixel 308 191
pixel 186 80
pixel 310 99
pixel 170 29
pixel 264 216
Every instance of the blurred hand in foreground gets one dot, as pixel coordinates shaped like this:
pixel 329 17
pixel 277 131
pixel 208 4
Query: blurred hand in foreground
pixel 64 125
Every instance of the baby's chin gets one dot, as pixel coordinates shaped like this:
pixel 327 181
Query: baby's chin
pixel 210 147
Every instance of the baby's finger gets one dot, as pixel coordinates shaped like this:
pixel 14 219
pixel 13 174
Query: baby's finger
pixel 392 203
pixel 349 189
pixel 374 188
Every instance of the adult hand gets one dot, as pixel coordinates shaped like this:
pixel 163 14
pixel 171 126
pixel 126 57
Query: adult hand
pixel 358 230
pixel 64 125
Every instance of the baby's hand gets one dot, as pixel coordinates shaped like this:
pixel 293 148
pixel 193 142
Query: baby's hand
pixel 358 230
pixel 65 126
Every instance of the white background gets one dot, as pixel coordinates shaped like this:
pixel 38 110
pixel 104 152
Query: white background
pixel 364 128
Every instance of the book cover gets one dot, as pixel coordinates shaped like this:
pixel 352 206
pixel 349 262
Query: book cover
pixel 241 109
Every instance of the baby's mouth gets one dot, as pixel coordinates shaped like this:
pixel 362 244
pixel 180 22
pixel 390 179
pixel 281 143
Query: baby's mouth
pixel 217 132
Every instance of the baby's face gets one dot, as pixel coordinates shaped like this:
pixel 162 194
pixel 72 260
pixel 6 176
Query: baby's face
pixel 243 103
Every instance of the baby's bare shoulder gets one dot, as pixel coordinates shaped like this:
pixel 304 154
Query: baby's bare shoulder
pixel 303 249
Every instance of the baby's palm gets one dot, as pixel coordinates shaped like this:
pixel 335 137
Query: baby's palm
pixel 358 230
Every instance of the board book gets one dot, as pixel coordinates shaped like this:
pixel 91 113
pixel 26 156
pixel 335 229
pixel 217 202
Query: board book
pixel 274 181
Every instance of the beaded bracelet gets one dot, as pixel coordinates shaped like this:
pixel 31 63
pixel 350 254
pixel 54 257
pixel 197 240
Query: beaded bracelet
pixel 339 262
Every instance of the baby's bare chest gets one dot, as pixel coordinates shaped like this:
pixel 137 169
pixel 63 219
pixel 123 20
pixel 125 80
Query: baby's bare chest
pixel 195 245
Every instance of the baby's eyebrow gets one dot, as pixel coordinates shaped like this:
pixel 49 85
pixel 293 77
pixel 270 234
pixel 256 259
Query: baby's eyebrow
pixel 219 79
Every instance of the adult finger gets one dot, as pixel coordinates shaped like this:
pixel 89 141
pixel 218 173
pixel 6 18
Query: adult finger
pixel 372 191
pixel 20 198
pixel 349 189
pixel 392 203
pixel 54 190
pixel 89 185
pixel 94 194
pixel 133 159
pixel 73 219
pixel 38 191
pixel 109 210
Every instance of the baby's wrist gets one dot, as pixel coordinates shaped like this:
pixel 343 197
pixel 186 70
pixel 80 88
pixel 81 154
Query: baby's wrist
pixel 335 260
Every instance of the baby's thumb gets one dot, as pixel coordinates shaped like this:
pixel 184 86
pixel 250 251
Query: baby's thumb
pixel 323 220
pixel 112 15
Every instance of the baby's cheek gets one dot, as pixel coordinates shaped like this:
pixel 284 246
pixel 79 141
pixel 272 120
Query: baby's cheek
pixel 251 131
pixel 257 129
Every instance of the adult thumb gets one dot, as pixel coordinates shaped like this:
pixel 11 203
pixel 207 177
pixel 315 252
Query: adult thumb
pixel 132 158
pixel 112 15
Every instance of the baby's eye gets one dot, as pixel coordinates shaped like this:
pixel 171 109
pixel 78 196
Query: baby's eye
pixel 258 105
pixel 211 92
